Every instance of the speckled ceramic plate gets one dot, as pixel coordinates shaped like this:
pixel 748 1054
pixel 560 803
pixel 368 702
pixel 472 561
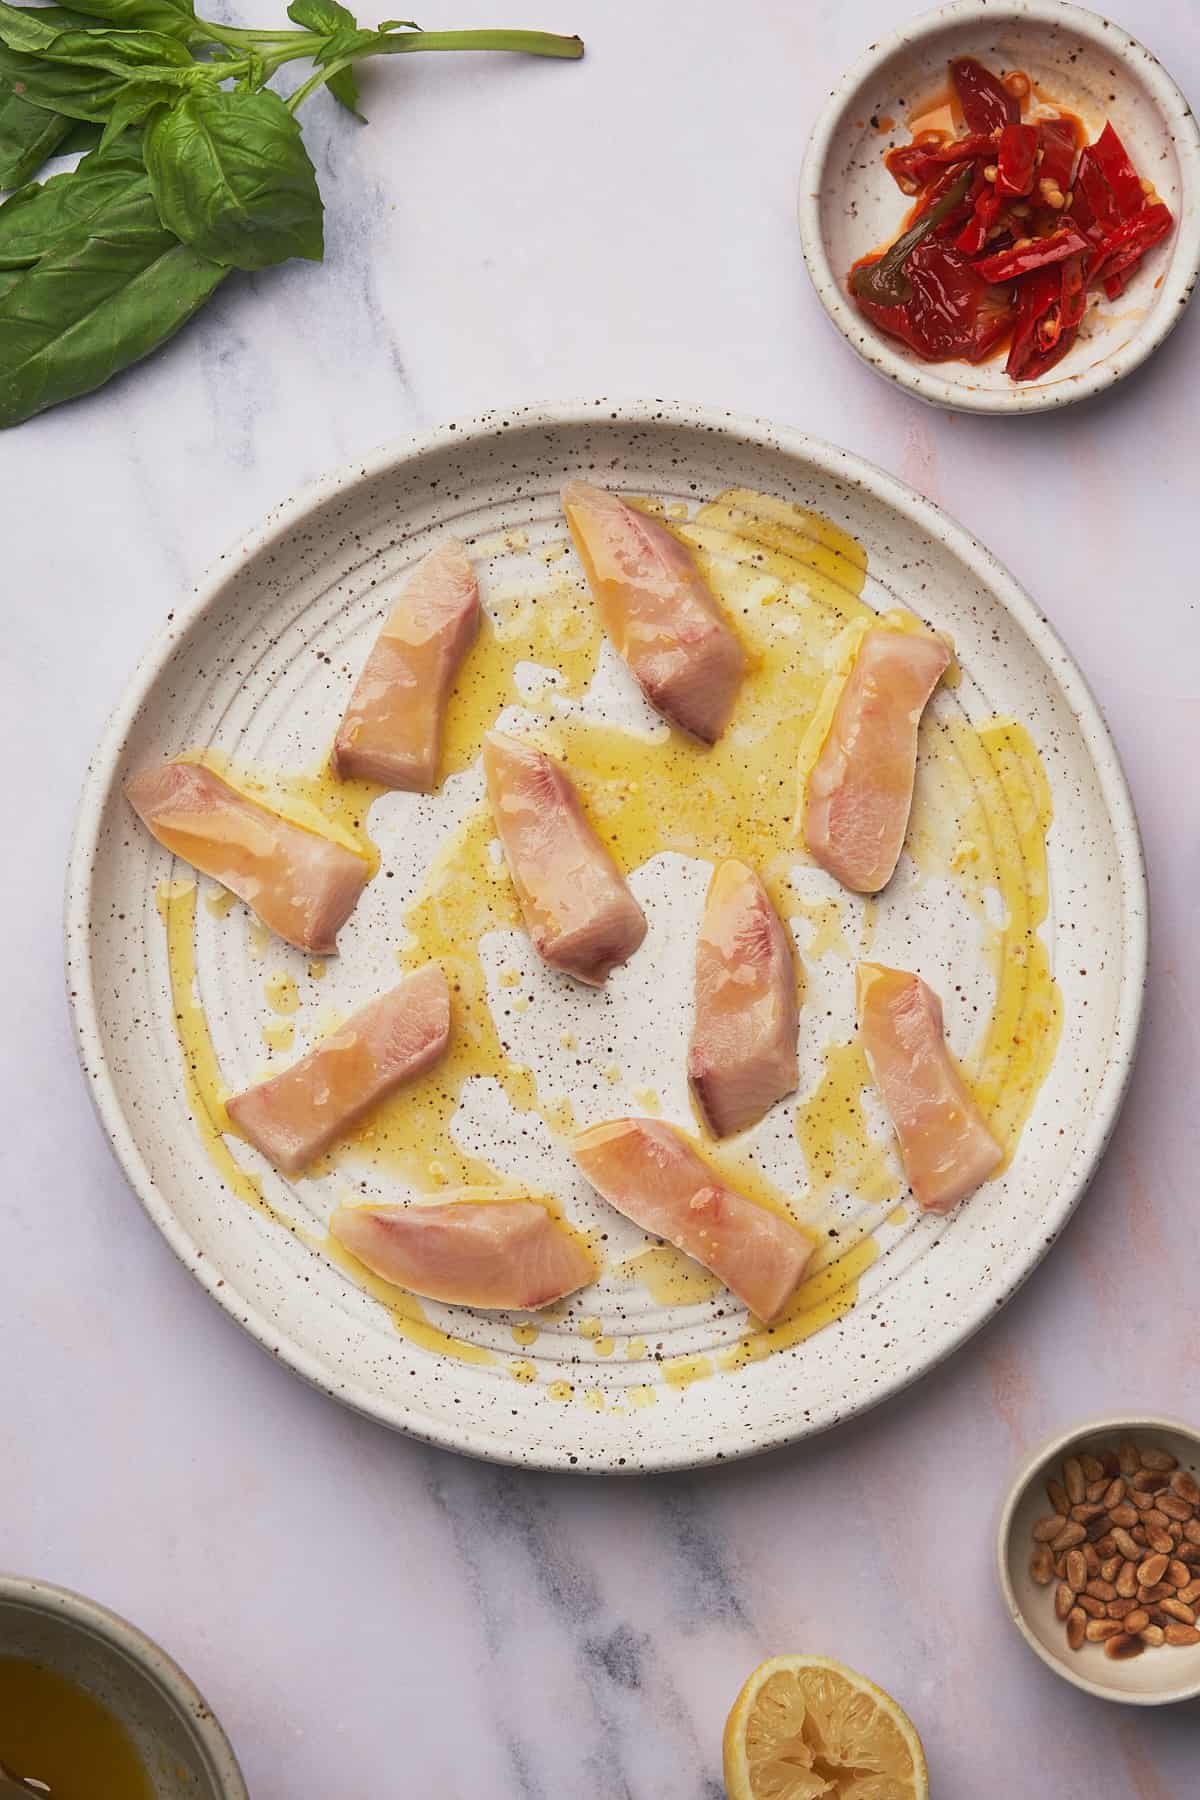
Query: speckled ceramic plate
pixel 849 203
pixel 258 666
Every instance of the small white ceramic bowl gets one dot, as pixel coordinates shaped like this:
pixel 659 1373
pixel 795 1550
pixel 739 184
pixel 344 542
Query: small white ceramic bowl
pixel 186 1754
pixel 849 203
pixel 1158 1676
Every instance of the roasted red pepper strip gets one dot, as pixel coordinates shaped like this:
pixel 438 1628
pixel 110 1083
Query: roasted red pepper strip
pixel 884 281
pixel 1016 161
pixel 1010 265
pixel 1058 144
pixel 919 164
pixel 951 313
pixel 1124 249
pixel 1074 291
pixel 973 236
pixel 1035 298
pixel 1094 202
pixel 1114 164
pixel 986 103
pixel 1042 361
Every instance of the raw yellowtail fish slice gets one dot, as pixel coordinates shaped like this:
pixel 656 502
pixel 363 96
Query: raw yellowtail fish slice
pixel 577 907
pixel 649 1172
pixel 302 886
pixel 946 1145
pixel 658 610
pixel 742 1056
pixel 392 730
pixel 509 1254
pixel 860 788
pixel 298 1114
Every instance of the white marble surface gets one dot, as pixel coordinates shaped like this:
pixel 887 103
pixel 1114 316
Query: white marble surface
pixel 369 1617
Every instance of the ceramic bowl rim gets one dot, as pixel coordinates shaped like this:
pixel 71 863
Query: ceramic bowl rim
pixel 922 379
pixel 1106 1425
pixel 281 521
pixel 89 1619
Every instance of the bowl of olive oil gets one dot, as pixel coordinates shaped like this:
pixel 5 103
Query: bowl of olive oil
pixel 93 1710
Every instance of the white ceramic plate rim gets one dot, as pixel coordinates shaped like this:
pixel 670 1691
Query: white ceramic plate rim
pixel 1107 1425
pixel 838 464
pixel 160 1670
pixel 919 378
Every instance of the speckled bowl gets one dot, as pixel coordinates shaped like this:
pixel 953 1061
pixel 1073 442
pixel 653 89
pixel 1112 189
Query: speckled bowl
pixel 186 1754
pixel 849 203
pixel 1153 1679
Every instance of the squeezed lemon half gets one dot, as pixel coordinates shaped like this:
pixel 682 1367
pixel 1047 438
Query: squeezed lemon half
pixel 805 1728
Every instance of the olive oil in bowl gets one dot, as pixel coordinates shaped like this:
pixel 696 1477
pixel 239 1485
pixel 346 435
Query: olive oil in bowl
pixel 57 1733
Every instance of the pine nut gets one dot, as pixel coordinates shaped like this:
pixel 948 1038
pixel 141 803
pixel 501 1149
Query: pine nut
pixel 1099 1629
pixel 1170 1506
pixel 1122 1545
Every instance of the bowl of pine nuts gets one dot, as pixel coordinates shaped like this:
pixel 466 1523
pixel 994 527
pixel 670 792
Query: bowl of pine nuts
pixel 1098 1557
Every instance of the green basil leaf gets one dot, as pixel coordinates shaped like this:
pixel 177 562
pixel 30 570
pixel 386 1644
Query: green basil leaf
pixel 23 28
pixel 174 19
pixel 28 135
pixel 232 178
pixel 103 299
pixel 398 25
pixel 344 89
pixel 76 91
pixel 82 90
pixel 128 53
pixel 324 16
pixel 36 220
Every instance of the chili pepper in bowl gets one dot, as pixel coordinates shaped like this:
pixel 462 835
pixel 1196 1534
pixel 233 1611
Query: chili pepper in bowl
pixel 1012 227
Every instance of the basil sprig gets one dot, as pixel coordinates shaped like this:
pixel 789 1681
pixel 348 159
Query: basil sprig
pixel 194 167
